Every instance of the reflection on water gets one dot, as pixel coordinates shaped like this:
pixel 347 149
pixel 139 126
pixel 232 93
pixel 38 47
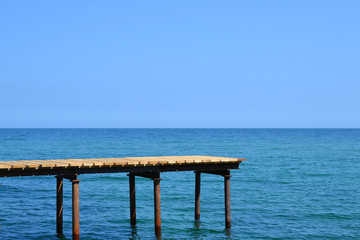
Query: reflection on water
pixel 134 233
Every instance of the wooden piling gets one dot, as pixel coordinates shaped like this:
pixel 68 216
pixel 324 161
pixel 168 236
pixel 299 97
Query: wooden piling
pixel 148 167
pixel 132 199
pixel 157 207
pixel 59 206
pixel 197 195
pixel 75 210
pixel 227 201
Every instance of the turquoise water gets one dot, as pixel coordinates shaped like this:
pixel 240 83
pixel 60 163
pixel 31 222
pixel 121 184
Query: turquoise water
pixel 296 184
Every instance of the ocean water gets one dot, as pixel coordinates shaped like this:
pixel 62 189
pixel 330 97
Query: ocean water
pixel 295 184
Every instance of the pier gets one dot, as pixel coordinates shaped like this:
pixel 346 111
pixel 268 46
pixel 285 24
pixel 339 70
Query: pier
pixel 147 167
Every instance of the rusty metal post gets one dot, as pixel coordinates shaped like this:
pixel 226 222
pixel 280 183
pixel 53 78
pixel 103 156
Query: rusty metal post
pixel 75 209
pixel 132 199
pixel 59 206
pixel 157 208
pixel 227 201
pixel 197 195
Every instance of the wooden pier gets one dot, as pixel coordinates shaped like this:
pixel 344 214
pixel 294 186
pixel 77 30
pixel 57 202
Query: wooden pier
pixel 148 167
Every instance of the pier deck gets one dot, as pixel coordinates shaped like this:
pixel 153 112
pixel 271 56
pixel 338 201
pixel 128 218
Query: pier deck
pixel 148 167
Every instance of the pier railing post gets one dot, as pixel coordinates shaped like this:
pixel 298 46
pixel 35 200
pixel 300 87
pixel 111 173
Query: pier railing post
pixel 197 195
pixel 157 207
pixel 227 201
pixel 75 209
pixel 132 199
pixel 59 206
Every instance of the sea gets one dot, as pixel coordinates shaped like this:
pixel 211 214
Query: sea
pixel 295 184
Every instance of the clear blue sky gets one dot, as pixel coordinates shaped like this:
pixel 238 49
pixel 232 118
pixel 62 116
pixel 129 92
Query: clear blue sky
pixel 180 63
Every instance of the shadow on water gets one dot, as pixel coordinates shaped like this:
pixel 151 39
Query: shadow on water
pixel 199 233
pixel 60 236
pixel 197 224
pixel 195 231
pixel 134 234
pixel 227 232
pixel 158 236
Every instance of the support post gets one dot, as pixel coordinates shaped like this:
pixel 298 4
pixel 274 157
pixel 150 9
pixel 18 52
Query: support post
pixel 227 201
pixel 59 206
pixel 197 195
pixel 157 208
pixel 132 199
pixel 75 209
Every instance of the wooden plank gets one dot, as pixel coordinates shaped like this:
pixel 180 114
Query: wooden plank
pixel 63 163
pixel 58 163
pixel 21 164
pixel 152 161
pixel 118 162
pixel 82 163
pixel 164 160
pixel 4 166
pixel 13 164
pixel 31 164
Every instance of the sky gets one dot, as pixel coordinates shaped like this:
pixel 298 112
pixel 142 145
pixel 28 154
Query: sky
pixel 181 64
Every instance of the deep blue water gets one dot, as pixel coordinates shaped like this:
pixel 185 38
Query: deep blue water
pixel 295 184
